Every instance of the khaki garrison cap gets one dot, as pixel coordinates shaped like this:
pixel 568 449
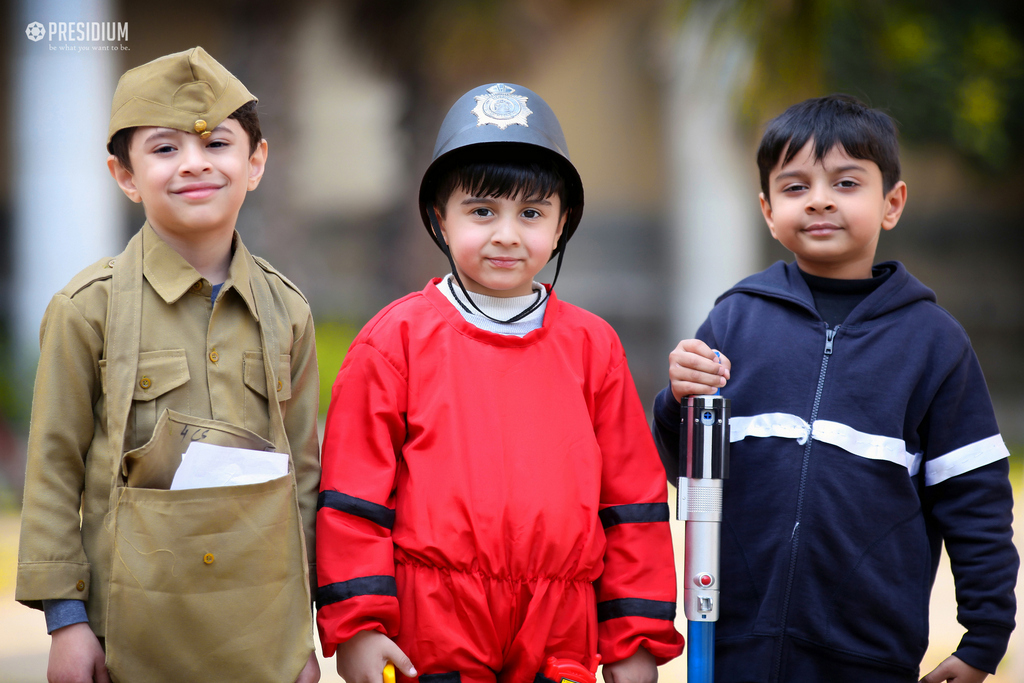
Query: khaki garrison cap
pixel 187 90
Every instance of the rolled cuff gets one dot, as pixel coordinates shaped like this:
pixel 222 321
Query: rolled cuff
pixel 619 638
pixel 38 581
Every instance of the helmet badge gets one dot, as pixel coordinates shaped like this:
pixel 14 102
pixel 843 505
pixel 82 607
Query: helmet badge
pixel 501 108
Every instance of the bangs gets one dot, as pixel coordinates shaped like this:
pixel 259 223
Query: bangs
pixel 529 179
pixel 862 132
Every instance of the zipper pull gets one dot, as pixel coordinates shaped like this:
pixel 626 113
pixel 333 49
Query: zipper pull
pixel 830 336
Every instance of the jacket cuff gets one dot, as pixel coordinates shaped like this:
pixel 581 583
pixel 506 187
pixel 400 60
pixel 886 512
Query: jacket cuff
pixel 338 622
pixel 38 581
pixel 618 639
pixel 983 646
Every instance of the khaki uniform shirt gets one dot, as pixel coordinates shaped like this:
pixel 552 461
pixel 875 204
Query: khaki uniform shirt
pixel 200 359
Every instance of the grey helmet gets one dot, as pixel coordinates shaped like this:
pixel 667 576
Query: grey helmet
pixel 502 120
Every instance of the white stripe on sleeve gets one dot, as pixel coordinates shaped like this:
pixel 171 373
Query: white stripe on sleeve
pixel 964 459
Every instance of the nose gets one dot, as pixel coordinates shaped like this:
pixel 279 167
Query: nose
pixel 505 232
pixel 193 157
pixel 820 200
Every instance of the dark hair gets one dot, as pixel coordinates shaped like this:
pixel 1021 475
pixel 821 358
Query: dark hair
pixel 500 170
pixel 863 132
pixel 246 116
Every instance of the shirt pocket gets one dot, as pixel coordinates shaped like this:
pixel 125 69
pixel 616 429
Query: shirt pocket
pixel 160 379
pixel 256 415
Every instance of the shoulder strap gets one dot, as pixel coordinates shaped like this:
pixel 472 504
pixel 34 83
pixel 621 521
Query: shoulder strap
pixel 271 352
pixel 124 326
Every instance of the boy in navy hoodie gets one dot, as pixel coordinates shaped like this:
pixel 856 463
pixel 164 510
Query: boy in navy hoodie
pixel 863 433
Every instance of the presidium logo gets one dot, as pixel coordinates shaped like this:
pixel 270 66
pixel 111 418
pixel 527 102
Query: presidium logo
pixel 78 32
pixel 35 31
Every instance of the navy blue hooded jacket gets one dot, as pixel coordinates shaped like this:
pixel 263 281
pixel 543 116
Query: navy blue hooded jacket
pixel 856 452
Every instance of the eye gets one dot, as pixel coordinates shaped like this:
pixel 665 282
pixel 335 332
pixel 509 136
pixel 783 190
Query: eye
pixel 531 213
pixel 847 183
pixel 163 149
pixel 218 143
pixel 794 187
pixel 482 211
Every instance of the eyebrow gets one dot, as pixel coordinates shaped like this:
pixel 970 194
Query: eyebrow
pixel 494 200
pixel 785 175
pixel 162 132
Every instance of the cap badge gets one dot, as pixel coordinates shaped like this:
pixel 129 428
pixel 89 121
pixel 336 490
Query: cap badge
pixel 501 108
pixel 200 127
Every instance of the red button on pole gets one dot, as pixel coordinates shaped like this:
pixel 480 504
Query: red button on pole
pixel 704 580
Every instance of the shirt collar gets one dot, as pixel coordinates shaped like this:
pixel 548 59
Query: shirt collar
pixel 171 276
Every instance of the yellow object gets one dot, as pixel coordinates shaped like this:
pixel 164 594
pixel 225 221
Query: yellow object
pixel 389 673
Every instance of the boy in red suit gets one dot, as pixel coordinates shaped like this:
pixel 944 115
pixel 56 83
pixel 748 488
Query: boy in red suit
pixel 491 495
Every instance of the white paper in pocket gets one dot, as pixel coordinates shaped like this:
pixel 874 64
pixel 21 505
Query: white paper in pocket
pixel 205 465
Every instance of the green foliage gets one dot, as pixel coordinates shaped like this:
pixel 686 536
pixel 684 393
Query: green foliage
pixel 332 341
pixel 15 387
pixel 951 72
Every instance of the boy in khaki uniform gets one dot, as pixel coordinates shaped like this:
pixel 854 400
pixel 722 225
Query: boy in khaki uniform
pixel 184 337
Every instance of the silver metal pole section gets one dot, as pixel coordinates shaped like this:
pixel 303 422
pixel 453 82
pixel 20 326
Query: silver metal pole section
pixel 700 502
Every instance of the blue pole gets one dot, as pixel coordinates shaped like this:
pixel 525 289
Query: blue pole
pixel 700 651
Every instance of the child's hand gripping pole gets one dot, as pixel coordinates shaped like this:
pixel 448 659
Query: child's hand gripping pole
pixel 704 460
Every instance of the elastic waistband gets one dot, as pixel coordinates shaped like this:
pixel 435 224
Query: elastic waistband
pixel 493 577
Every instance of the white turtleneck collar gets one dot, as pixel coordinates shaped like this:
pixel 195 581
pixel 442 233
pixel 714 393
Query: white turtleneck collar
pixel 498 307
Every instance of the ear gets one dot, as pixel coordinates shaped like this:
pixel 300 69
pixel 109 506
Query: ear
pixel 895 202
pixel 258 164
pixel 558 232
pixel 440 223
pixel 766 211
pixel 124 178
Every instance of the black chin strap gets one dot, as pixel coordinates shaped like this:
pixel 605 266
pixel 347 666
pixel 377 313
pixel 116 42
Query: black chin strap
pixel 432 214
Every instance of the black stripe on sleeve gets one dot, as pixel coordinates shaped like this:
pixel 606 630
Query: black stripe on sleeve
pixel 448 677
pixel 636 607
pixel 634 514
pixel 364 585
pixel 378 514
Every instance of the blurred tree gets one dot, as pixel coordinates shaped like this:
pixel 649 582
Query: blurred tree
pixel 950 71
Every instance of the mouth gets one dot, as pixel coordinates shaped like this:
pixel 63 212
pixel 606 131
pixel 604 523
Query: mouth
pixel 197 190
pixel 821 229
pixel 503 261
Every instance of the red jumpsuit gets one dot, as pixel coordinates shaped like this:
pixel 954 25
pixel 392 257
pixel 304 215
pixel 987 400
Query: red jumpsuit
pixel 490 500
